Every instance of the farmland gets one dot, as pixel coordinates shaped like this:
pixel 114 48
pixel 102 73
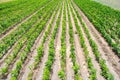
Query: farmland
pixel 59 40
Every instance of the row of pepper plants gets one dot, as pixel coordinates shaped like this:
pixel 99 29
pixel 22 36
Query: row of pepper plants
pixel 26 51
pixel 61 73
pixel 104 68
pixel 21 10
pixel 7 42
pixel 75 66
pixel 23 41
pixel 107 25
pixel 91 68
pixel 51 55
pixel 33 30
pixel 40 49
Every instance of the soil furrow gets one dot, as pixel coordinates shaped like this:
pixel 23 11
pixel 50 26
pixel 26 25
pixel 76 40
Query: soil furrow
pixel 56 65
pixel 39 72
pixel 28 56
pixel 12 63
pixel 91 54
pixel 7 54
pixel 69 70
pixel 79 53
pixel 12 66
pixel 32 49
pixel 30 59
pixel 25 70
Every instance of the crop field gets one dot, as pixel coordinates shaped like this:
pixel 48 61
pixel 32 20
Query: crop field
pixel 59 40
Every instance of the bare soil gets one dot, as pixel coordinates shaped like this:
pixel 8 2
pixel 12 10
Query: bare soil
pixel 3 1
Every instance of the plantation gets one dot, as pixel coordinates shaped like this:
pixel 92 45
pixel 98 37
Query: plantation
pixel 59 40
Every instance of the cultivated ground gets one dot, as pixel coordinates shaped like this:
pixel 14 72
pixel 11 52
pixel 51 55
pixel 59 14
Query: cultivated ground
pixel 56 51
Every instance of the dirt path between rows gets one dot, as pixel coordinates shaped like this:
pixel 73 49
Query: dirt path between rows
pixel 79 53
pixel 25 70
pixel 69 70
pixel 39 72
pixel 56 65
pixel 11 64
pixel 91 54
pixel 112 60
pixel 14 27
pixel 7 54
pixel 29 55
